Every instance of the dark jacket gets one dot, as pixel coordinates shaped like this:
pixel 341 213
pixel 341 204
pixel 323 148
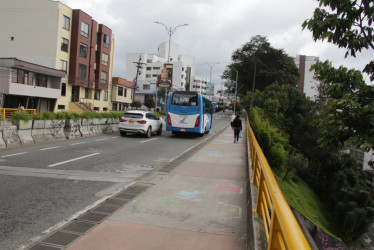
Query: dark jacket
pixel 237 123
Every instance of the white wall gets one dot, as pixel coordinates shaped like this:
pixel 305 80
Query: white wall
pixel 34 27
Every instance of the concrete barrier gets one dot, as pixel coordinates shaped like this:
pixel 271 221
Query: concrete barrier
pixel 40 131
pixel 72 129
pixel 24 132
pixel 10 134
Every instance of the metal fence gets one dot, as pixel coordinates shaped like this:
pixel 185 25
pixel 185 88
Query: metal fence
pixel 281 227
pixel 8 112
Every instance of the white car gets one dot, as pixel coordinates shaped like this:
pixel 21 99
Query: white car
pixel 140 122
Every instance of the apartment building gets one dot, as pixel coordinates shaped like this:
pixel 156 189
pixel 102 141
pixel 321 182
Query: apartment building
pixel 307 83
pixel 51 34
pixel 181 67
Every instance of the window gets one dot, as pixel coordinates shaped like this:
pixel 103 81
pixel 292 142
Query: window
pixel 120 91
pixel 60 106
pixel 20 76
pixel 105 95
pixel 105 59
pixel 156 68
pixel 96 108
pixel 82 71
pixel 148 75
pixel 97 94
pixel 154 75
pixel 86 93
pixel 83 50
pixel 84 29
pixel 149 68
pixel 146 87
pixel 106 41
pixel 104 77
pixel 65 22
pixel 63 65
pixel 41 81
pixel 64 44
pixel 63 90
pixel 125 94
pixel 149 60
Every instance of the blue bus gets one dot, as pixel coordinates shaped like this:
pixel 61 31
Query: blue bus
pixel 188 112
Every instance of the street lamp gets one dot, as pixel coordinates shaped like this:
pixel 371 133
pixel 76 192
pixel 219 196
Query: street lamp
pixel 170 30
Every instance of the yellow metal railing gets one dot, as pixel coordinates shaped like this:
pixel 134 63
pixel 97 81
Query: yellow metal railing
pixel 8 112
pixel 281 227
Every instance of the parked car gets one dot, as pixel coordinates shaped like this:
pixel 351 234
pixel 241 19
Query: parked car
pixel 140 122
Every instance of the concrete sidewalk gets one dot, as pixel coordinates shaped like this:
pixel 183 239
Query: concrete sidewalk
pixel 197 201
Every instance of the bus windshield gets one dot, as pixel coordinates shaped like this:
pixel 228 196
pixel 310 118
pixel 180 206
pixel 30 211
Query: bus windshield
pixel 184 99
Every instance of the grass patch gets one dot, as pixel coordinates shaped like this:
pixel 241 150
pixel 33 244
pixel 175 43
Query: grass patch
pixel 301 197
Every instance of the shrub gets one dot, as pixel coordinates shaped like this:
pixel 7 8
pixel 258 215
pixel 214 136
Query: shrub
pixel 20 116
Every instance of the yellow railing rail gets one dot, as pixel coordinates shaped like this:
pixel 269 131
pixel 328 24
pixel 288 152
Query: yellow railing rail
pixel 8 112
pixel 281 227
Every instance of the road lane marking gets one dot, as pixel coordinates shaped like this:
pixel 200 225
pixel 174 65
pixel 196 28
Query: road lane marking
pixel 148 140
pixel 49 148
pixel 102 139
pixel 14 154
pixel 78 143
pixel 75 159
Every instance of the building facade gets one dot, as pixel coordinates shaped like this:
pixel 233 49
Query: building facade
pixel 307 84
pixel 30 85
pixel 151 66
pixel 53 35
pixel 122 93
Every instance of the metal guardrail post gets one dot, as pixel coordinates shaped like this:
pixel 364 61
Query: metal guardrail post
pixel 281 227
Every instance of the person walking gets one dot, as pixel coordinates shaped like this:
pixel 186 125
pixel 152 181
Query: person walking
pixel 237 126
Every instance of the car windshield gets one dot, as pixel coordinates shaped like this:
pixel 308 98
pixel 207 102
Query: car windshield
pixel 133 115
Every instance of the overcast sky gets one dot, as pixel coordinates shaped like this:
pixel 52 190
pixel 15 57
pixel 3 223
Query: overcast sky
pixel 216 29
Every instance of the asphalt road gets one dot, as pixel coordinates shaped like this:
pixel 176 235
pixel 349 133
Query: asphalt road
pixel 43 186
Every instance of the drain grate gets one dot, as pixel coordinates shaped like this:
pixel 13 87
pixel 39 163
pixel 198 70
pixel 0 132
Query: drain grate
pixel 66 235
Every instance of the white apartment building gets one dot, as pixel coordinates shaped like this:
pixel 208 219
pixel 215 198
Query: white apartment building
pixel 199 84
pixel 307 83
pixel 151 66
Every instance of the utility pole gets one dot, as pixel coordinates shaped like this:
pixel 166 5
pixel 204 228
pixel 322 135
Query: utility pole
pixel 138 67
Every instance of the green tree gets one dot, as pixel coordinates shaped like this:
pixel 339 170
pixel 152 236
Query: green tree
pixel 347 24
pixel 149 103
pixel 271 65
pixel 136 104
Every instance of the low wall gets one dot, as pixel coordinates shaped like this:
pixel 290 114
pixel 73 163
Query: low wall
pixel 39 131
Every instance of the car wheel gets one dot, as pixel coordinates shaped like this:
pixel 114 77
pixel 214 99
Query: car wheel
pixel 122 133
pixel 149 132
pixel 159 132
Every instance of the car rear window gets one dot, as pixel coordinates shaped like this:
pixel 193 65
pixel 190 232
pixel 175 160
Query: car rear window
pixel 133 115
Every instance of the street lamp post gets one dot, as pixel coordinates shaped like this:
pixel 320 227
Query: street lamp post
pixel 170 30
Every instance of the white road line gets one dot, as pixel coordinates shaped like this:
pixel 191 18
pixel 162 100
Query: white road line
pixel 14 154
pixel 102 139
pixel 49 148
pixel 78 143
pixel 115 137
pixel 63 162
pixel 148 140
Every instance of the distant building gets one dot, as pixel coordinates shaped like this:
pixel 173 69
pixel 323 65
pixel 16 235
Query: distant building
pixel 307 84
pixel 122 92
pixel 51 34
pixel 199 84
pixel 151 67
